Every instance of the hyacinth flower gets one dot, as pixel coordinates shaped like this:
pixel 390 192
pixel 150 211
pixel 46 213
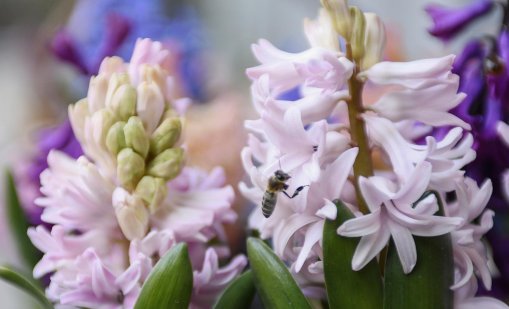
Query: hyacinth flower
pixel 115 218
pixel 117 24
pixel 355 211
pixel 482 67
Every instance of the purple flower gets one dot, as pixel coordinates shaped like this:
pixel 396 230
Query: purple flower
pixel 28 171
pixel 448 22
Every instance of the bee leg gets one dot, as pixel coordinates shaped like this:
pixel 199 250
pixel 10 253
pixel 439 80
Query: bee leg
pixel 297 191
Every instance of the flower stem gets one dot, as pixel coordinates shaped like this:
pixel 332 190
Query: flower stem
pixel 363 165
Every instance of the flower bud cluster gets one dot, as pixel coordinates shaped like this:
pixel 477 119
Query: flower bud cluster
pixel 122 205
pixel 365 31
pixel 129 121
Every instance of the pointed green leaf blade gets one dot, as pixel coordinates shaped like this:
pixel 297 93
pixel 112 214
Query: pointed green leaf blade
pixel 170 283
pixel 427 286
pixel 20 281
pixel 273 281
pixel 347 288
pixel 19 225
pixel 239 294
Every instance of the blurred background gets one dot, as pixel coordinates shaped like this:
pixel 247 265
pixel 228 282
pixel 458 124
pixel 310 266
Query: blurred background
pixel 48 50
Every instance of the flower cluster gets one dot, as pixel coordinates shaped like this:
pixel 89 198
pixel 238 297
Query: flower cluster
pixel 482 67
pixel 122 205
pixel 351 137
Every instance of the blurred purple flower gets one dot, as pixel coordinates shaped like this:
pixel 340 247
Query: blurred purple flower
pixel 27 172
pixel 485 79
pixel 116 26
pixel 448 22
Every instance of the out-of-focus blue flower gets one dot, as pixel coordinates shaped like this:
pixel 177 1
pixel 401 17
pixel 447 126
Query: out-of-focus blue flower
pixel 101 28
pixel 447 22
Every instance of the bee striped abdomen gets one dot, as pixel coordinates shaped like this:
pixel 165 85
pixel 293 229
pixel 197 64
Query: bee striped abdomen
pixel 268 203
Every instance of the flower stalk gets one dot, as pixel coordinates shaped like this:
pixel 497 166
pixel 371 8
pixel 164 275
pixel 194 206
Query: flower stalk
pixel 363 165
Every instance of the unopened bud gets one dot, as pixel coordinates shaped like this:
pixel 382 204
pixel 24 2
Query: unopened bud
pixel 131 213
pixel 124 102
pixel 150 105
pixel 97 90
pixel 130 168
pixel 375 40
pixel 115 140
pixel 152 190
pixel 166 135
pixel 78 112
pixel 116 80
pixel 358 33
pixel 102 121
pixel 167 164
pixel 340 15
pixel 136 137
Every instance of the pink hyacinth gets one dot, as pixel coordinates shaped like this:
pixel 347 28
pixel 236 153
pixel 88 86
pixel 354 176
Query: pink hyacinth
pixel 111 224
pixel 315 139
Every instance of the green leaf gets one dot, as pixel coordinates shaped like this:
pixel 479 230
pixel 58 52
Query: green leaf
pixel 27 285
pixel 347 288
pixel 170 283
pixel 273 281
pixel 239 294
pixel 19 225
pixel 427 286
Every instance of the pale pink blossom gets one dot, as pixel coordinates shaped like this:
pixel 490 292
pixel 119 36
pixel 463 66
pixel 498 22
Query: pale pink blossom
pixel 470 253
pixel 77 195
pixel 464 298
pixel 313 107
pixel 196 205
pixel 315 67
pixel 211 279
pixel 96 286
pixel 447 157
pixel 396 213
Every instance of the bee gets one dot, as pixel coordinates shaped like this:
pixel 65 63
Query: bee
pixel 277 183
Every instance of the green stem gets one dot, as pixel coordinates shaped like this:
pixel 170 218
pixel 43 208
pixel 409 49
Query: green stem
pixel 363 165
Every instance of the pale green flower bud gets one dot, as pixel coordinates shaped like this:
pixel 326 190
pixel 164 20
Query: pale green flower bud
pixel 375 40
pixel 131 213
pixel 340 15
pixel 167 164
pixel 115 140
pixel 130 168
pixel 124 102
pixel 358 33
pixel 166 135
pixel 152 190
pixel 136 137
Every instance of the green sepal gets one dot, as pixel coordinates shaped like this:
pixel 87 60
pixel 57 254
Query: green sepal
pixel 273 281
pixel 18 224
pixel 347 288
pixel 238 294
pixel 170 283
pixel 26 284
pixel 428 285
